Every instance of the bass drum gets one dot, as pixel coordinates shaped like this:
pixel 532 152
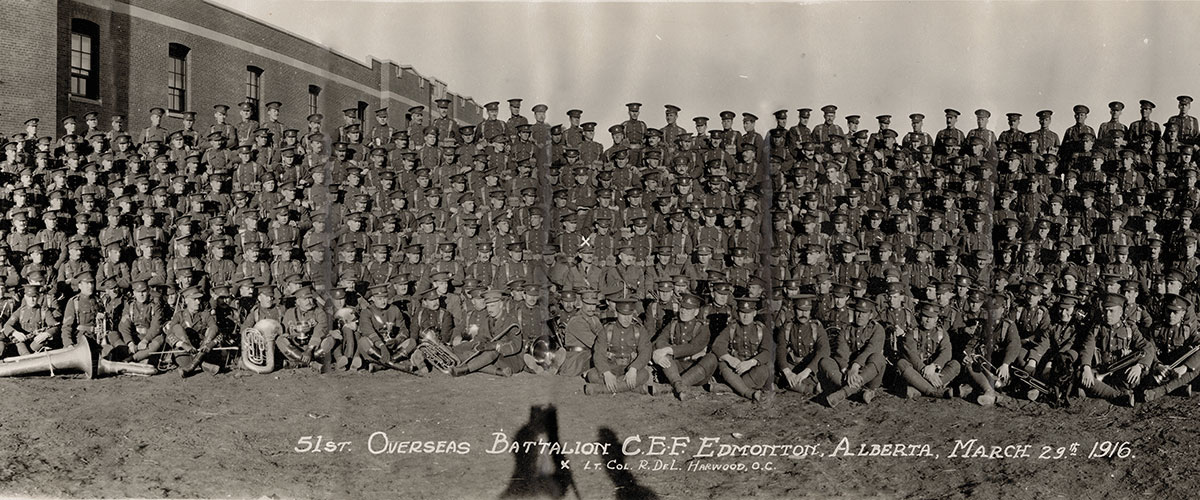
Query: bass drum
pixel 258 345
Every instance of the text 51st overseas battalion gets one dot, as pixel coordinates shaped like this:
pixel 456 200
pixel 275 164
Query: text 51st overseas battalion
pixel 380 443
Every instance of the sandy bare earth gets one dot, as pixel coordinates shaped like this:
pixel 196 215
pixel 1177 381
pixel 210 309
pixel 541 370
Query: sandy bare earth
pixel 236 435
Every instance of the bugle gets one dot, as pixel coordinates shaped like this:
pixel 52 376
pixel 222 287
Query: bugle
pixel 981 363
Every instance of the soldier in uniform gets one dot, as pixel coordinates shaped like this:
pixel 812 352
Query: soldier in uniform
pixel 927 367
pixel 573 135
pixel 382 331
pixel 857 363
pixel 917 139
pixel 491 127
pixel 514 119
pixel 226 131
pixel 951 131
pixel 671 130
pixel 1185 124
pixel 1105 133
pixel 621 355
pixel 981 131
pixel 1110 341
pixel 743 352
pixel 306 332
pixel 1013 135
pixel 1177 343
pixel 579 331
pixel 155 132
pixel 79 316
pixel 1074 135
pixel 1047 140
pixel 267 307
pixel 245 129
pixel 416 124
pixel 681 346
pixel 139 328
pixel 446 127
pixel 1145 126
pixel 193 329
pixel 802 344
pixel 498 346
pixel 799 133
pixel 33 324
pixel 275 128
pixel 824 132
pixel 1005 353
pixel 431 322
pixel 381 134
pixel 635 129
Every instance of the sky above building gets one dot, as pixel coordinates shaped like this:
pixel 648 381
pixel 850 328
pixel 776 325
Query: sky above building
pixel 868 58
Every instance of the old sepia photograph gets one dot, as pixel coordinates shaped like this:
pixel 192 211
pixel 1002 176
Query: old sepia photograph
pixel 377 249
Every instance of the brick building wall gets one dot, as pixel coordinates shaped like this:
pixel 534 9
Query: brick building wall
pixel 133 43
pixel 26 49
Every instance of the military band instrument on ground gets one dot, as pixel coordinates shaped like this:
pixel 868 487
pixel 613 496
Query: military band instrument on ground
pixel 258 346
pixel 79 358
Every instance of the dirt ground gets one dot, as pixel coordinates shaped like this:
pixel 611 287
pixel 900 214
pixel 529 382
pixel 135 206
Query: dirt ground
pixel 234 435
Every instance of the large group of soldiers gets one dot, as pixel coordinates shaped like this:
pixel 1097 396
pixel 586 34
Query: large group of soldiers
pixel 831 262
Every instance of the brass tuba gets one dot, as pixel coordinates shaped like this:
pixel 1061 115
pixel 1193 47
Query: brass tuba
pixel 258 345
pixel 78 358
pixel 437 354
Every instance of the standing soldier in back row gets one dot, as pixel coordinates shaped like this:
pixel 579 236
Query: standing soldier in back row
pixel 635 129
pixel 824 131
pixel 381 134
pixel 1184 123
pixel 1145 125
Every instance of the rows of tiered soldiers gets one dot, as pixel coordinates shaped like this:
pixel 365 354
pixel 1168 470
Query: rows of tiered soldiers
pixel 831 262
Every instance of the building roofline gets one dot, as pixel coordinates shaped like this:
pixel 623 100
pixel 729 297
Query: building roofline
pixel 366 63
